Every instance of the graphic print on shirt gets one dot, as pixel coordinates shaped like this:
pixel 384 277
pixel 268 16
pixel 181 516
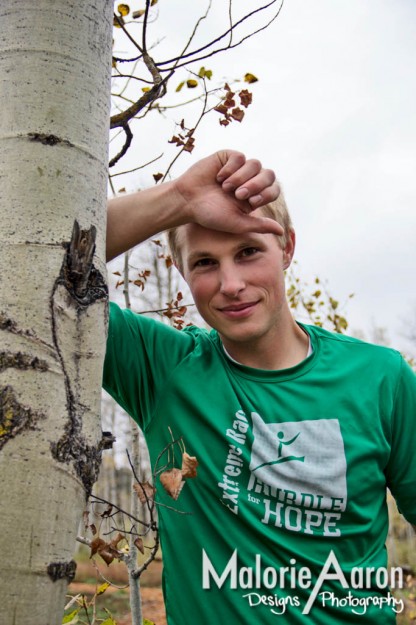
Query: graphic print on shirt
pixel 297 473
pixel 299 469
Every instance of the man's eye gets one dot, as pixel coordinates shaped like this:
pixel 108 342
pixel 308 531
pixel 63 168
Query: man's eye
pixel 204 262
pixel 249 251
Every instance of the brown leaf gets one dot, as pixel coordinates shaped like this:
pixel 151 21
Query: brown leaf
pixel 144 491
pixel 116 540
pixel 189 465
pixel 106 555
pixel 221 109
pixel 246 98
pixel 189 145
pixel 172 482
pixel 157 177
pixel 136 14
pixel 96 544
pixel 139 544
pixel 237 114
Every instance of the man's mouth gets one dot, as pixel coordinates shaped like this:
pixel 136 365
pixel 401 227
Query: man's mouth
pixel 238 310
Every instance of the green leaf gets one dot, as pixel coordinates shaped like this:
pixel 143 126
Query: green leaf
pixel 147 622
pixel 72 618
pixel 109 621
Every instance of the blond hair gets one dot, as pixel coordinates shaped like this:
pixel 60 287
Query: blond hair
pixel 276 210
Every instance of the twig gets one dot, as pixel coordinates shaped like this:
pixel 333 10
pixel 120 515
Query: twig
pixel 127 143
pixel 129 171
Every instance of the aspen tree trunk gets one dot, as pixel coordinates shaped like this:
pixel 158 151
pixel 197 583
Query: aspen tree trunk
pixel 55 63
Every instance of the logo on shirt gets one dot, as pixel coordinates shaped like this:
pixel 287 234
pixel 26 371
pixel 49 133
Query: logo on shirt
pixel 299 469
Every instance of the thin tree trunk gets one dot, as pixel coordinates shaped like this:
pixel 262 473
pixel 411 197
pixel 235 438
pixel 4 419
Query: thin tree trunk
pixel 137 512
pixel 55 60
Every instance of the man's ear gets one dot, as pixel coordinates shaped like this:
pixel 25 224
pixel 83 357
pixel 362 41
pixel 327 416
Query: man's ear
pixel 289 249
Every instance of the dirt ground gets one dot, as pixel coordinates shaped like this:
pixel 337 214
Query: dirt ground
pixel 87 578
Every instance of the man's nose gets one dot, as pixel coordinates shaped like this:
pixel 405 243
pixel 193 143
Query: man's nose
pixel 231 281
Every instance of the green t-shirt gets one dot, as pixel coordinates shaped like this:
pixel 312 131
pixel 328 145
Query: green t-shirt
pixel 292 476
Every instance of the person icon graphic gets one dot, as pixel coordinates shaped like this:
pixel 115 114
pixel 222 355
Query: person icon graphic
pixel 280 458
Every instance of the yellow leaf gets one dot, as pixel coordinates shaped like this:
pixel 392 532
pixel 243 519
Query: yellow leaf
pixel 123 9
pixel 145 89
pixel 179 87
pixel 205 73
pixel 250 78
pixel 191 83
pixel 101 589
pixel 153 2
pixel 138 14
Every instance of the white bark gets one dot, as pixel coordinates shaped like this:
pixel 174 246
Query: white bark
pixel 137 512
pixel 55 60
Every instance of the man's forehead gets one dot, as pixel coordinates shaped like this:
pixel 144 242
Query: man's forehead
pixel 194 238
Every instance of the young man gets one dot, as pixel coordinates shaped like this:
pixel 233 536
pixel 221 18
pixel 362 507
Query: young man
pixel 297 431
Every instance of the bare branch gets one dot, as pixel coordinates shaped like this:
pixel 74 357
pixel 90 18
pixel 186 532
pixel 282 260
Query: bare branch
pixel 129 171
pixel 204 110
pixel 126 32
pixel 227 32
pixel 127 143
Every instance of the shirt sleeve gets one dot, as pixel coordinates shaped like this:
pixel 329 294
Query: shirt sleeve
pixel 141 356
pixel 401 468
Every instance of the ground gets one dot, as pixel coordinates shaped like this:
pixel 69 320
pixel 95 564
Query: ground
pixel 116 598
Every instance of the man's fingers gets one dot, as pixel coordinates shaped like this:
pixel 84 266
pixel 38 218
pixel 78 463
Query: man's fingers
pixel 267 195
pixel 263 225
pixel 231 162
pixel 251 182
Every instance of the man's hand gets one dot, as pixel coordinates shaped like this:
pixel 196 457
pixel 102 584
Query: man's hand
pixel 221 191
pixel 218 192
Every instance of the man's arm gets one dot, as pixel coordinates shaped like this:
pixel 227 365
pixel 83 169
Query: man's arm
pixel 218 192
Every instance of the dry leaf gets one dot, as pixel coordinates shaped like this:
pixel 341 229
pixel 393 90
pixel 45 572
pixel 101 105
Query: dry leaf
pixel 116 540
pixel 246 97
pixel 189 465
pixel 250 78
pixel 144 490
pixel 172 482
pixel 96 544
pixel 237 114
pixel 139 544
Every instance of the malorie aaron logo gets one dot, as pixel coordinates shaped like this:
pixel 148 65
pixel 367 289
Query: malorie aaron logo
pixel 269 578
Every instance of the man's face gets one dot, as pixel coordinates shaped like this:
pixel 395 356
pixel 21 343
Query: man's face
pixel 237 282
